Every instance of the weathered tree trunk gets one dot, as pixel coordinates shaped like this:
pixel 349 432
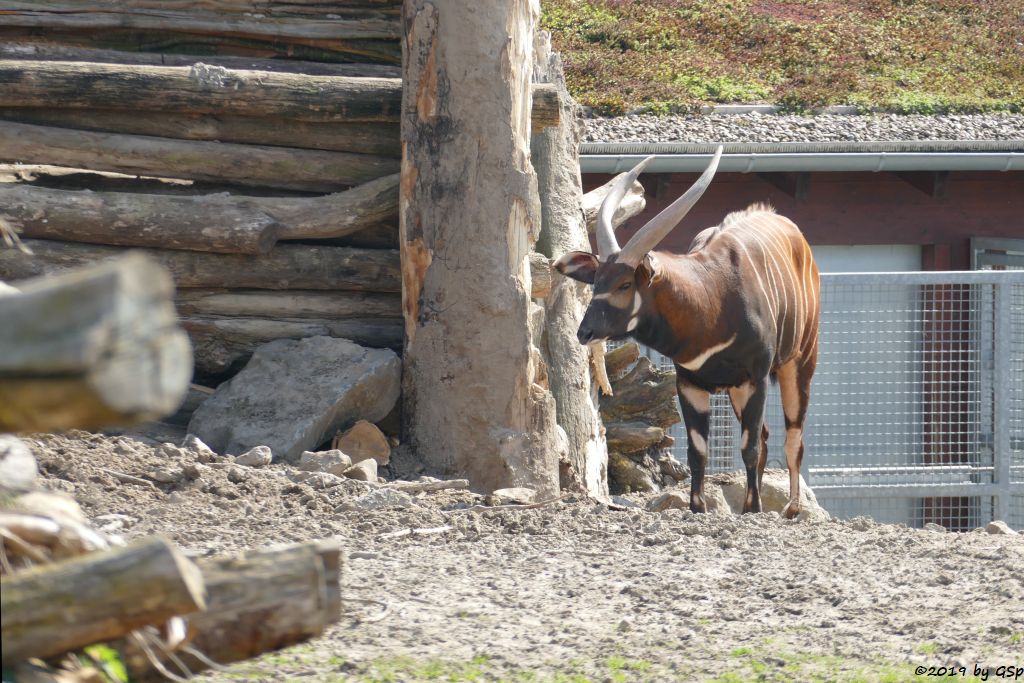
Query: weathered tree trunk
pixel 555 153
pixel 469 215
pixel 91 349
pixel 257 303
pixel 261 601
pixel 287 266
pixel 258 165
pixel 633 203
pixel 220 223
pixel 380 139
pixel 204 89
pixel 52 609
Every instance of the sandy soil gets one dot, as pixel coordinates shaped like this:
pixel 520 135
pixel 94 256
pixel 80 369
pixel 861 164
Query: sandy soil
pixel 573 591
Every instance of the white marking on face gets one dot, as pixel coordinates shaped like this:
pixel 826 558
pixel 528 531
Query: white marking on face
pixel 698 442
pixel 600 297
pixel 637 303
pixel 633 322
pixel 697 363
pixel 698 399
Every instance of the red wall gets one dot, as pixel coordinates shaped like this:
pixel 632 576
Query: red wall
pixel 856 208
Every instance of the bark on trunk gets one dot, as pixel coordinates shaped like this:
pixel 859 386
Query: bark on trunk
pixel 52 609
pixel 255 165
pixel 556 157
pixel 255 303
pixel 203 89
pixel 287 266
pixel 91 349
pixel 469 215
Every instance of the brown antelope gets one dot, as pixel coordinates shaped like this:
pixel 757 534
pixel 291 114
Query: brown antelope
pixel 739 307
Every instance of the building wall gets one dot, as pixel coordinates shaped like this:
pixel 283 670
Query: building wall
pixel 855 208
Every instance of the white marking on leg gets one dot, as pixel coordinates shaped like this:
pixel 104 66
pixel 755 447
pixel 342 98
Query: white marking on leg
pixel 794 436
pixel 746 439
pixel 739 397
pixel 698 442
pixel 696 363
pixel 698 399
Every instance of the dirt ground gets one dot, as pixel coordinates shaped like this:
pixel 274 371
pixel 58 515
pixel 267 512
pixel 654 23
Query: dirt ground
pixel 574 591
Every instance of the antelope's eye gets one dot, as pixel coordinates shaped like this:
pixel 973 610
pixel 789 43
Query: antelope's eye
pixel 625 285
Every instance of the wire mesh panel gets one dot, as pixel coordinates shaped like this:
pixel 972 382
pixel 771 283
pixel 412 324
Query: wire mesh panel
pixel 917 404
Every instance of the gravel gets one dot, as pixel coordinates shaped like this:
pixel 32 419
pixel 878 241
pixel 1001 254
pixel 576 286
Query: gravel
pixel 767 128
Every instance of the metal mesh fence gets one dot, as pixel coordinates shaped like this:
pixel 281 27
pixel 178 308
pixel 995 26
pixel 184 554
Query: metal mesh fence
pixel 917 405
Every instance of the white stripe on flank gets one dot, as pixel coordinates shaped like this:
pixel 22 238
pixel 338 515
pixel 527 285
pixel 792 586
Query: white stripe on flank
pixel 757 274
pixel 696 363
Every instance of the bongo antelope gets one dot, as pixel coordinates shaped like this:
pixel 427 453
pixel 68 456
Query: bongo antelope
pixel 740 307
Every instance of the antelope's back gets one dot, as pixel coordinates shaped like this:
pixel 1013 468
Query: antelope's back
pixel 776 266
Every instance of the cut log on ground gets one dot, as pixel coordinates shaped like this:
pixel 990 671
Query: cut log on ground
pixel 261 601
pixel 555 155
pixel 644 394
pixel 287 266
pixel 465 237
pixel 65 53
pixel 203 89
pixel 618 360
pixel 633 437
pixel 381 139
pixel 257 303
pixel 254 165
pixel 93 348
pixel 223 345
pixel 220 223
pixel 52 609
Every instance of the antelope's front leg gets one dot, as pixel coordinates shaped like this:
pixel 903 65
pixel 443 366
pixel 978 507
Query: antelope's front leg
pixel 696 406
pixel 748 401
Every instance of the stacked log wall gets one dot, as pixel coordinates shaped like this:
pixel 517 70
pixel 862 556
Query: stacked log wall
pixel 251 146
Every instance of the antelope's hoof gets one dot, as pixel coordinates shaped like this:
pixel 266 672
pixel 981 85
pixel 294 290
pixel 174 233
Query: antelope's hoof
pixel 697 504
pixel 792 509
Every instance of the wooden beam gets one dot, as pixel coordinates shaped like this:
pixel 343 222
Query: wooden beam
pixel 92 348
pixel 255 165
pixel 203 89
pixel 931 183
pixel 796 185
pixel 262 303
pixel 633 203
pixel 378 139
pixel 52 609
pixel 287 266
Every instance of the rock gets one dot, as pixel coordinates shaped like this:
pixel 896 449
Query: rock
pixel 317 480
pixel 671 467
pixel 294 393
pixel 774 491
pixel 377 500
pixel 203 452
pixel 364 470
pixel 999 528
pixel 166 475
pixel 364 440
pixel 195 470
pixel 668 501
pixel 260 456
pixel 169 451
pixel 54 505
pixel 8 290
pixel 18 469
pixel 332 461
pixel 236 475
pixel 519 494
pixel 936 528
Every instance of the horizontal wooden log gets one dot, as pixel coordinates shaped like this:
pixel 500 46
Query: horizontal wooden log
pixel 644 394
pixel 633 203
pixel 379 139
pixel 97 347
pixel 207 89
pixel 261 601
pixel 223 345
pixel 52 609
pixel 287 266
pixel 619 359
pixel 632 437
pixel 217 223
pixel 255 165
pixel 66 53
pixel 195 18
pixel 220 223
pixel 261 303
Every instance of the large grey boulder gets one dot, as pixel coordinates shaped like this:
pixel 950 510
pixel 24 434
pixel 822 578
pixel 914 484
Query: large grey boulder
pixel 294 394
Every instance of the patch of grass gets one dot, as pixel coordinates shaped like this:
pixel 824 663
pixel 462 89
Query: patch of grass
pixel 927 648
pixel 925 56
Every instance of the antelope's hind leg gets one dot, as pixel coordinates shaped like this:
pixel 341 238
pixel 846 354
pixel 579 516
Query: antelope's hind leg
pixel 748 403
pixel 794 388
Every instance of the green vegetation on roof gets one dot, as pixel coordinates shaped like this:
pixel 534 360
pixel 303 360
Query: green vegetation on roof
pixel 911 56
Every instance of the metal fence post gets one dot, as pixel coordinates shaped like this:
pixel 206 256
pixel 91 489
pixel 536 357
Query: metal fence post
pixel 1001 396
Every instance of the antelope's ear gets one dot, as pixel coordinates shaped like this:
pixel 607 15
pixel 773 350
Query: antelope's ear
pixel 649 270
pixel 579 265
